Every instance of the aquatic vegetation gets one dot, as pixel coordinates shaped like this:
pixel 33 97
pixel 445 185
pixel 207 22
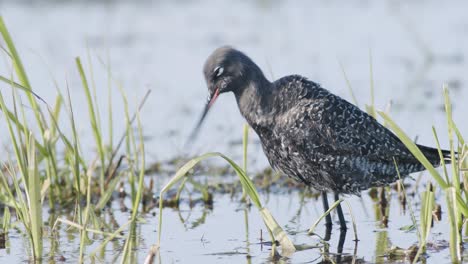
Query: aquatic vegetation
pixel 457 203
pixel 39 174
pixel 275 230
pixel 48 184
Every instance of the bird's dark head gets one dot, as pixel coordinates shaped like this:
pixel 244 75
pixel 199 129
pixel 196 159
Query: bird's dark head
pixel 227 70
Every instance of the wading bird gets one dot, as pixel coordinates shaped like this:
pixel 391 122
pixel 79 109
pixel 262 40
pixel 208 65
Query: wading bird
pixel 308 133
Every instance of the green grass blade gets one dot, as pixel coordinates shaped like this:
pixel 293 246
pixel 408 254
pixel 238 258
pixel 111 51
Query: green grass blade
pixel 287 247
pixel 35 205
pixel 448 111
pixel 93 120
pixel 452 211
pixel 462 205
pixel 413 149
pixel 21 73
pixel 245 142
pixel 21 87
pixel 427 205
pixel 272 225
pixel 333 206
pixel 16 147
pixel 16 122
pixel 107 194
pixel 353 221
pixel 348 83
pixel 441 156
pixel 6 220
pixel 14 54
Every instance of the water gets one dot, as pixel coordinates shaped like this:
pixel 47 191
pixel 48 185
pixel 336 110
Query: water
pixel 231 233
pixel 161 45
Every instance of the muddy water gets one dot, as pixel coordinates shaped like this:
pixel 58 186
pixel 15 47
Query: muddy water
pixel 161 45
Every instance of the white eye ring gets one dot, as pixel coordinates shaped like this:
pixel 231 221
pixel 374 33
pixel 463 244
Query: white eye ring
pixel 218 71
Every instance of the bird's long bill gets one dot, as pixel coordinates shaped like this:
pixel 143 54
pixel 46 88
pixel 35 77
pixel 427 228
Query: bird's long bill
pixel 211 100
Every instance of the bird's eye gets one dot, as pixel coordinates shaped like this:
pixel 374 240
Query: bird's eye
pixel 218 71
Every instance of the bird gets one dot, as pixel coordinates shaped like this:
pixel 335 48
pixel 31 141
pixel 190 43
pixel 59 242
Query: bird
pixel 310 134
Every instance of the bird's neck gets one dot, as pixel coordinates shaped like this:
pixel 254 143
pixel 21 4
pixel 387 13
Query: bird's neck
pixel 255 104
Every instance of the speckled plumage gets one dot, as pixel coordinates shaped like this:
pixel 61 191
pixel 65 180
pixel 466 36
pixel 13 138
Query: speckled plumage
pixel 308 133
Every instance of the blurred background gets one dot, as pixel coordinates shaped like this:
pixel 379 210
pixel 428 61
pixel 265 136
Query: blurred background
pixel 413 46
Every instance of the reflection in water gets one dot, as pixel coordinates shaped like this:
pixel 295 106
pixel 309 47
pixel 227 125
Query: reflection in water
pixel 382 211
pixel 383 205
pixel 247 240
pixel 401 196
pixel 339 256
pixel 196 221
pixel 167 39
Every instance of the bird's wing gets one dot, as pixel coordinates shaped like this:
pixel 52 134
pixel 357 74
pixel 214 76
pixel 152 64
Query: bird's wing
pixel 321 121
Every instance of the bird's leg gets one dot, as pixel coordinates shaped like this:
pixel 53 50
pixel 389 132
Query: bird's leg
pixel 340 247
pixel 328 232
pixel 328 221
pixel 340 214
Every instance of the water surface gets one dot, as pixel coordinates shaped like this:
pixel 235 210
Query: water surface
pixel 415 47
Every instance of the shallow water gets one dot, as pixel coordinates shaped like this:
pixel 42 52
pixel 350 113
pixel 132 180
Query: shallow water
pixel 161 45
pixel 230 232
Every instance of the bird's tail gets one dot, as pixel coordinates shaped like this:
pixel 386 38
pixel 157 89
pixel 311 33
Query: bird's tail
pixel 432 154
